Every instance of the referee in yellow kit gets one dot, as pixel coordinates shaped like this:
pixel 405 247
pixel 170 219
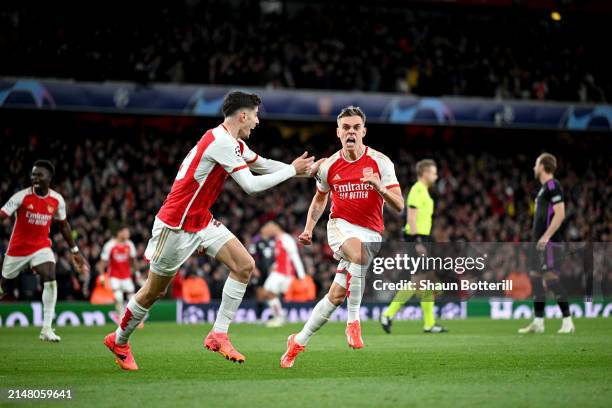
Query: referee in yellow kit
pixel 418 230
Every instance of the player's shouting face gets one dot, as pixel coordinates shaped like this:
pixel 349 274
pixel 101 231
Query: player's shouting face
pixel 40 178
pixel 248 120
pixel 351 130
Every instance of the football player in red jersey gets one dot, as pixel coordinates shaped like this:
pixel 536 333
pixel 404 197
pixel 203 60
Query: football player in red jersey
pixel 35 209
pixel 360 181
pixel 185 225
pixel 118 259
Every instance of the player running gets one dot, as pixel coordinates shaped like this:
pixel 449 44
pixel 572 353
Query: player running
pixel 360 180
pixel 35 209
pixel 185 225
pixel 418 231
pixel 119 261
pixel 287 265
pixel 548 232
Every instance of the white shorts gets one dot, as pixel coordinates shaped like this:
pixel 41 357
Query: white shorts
pixel 169 248
pixel 339 230
pixel 12 265
pixel 124 285
pixel 277 283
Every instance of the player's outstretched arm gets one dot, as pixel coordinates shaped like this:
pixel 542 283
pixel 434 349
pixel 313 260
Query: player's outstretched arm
pixel 262 165
pixel 80 263
pixel 315 211
pixel 254 184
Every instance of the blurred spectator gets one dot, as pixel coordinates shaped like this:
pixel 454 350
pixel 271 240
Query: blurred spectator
pixel 301 290
pixel 195 289
pixel 506 52
pixel 521 285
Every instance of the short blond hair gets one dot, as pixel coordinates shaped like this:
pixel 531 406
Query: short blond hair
pixel 549 162
pixel 423 165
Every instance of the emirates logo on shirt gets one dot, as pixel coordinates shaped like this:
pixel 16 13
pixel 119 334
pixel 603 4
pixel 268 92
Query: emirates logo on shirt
pixel 37 219
pixel 352 191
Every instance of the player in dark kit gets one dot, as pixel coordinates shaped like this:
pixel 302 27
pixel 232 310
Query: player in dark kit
pixel 262 251
pixel 548 233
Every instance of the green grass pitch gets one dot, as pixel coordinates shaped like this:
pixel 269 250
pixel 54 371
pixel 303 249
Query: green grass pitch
pixel 480 362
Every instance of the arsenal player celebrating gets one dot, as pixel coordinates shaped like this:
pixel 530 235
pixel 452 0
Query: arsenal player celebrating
pixel 360 180
pixel 185 225
pixel 36 207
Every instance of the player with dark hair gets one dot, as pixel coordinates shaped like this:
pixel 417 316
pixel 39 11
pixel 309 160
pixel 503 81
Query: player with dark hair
pixel 548 233
pixel 360 181
pixel 35 209
pixel 184 224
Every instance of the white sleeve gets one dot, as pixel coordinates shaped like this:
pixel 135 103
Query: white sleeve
pixel 260 164
pixel 387 172
pixel 13 203
pixel 321 177
pixel 227 154
pixel 294 255
pixel 60 214
pixel 254 184
pixel 132 249
pixel 106 250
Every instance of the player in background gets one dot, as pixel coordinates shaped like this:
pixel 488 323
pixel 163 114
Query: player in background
pixel 548 233
pixel 418 231
pixel 360 181
pixel 35 209
pixel 287 265
pixel 118 259
pixel 184 224
pixel 262 251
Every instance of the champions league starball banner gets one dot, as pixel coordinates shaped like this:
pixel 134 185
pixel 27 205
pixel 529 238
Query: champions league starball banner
pixel 286 104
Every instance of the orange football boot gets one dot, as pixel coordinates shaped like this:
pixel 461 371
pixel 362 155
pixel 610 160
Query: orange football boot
pixel 353 335
pixel 122 352
pixel 220 343
pixel 293 349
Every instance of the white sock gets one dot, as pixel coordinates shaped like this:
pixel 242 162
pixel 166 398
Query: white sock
pixel 119 303
pixel 539 321
pixel 49 298
pixel 134 314
pixel 275 306
pixel 233 292
pixel 355 288
pixel 567 320
pixel 319 316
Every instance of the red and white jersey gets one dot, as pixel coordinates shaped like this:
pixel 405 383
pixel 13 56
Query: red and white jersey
pixel 118 255
pixel 351 199
pixel 287 259
pixel 201 177
pixel 33 220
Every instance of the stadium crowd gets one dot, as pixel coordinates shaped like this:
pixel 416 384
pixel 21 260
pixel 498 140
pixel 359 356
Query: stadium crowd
pixel 120 175
pixel 299 44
